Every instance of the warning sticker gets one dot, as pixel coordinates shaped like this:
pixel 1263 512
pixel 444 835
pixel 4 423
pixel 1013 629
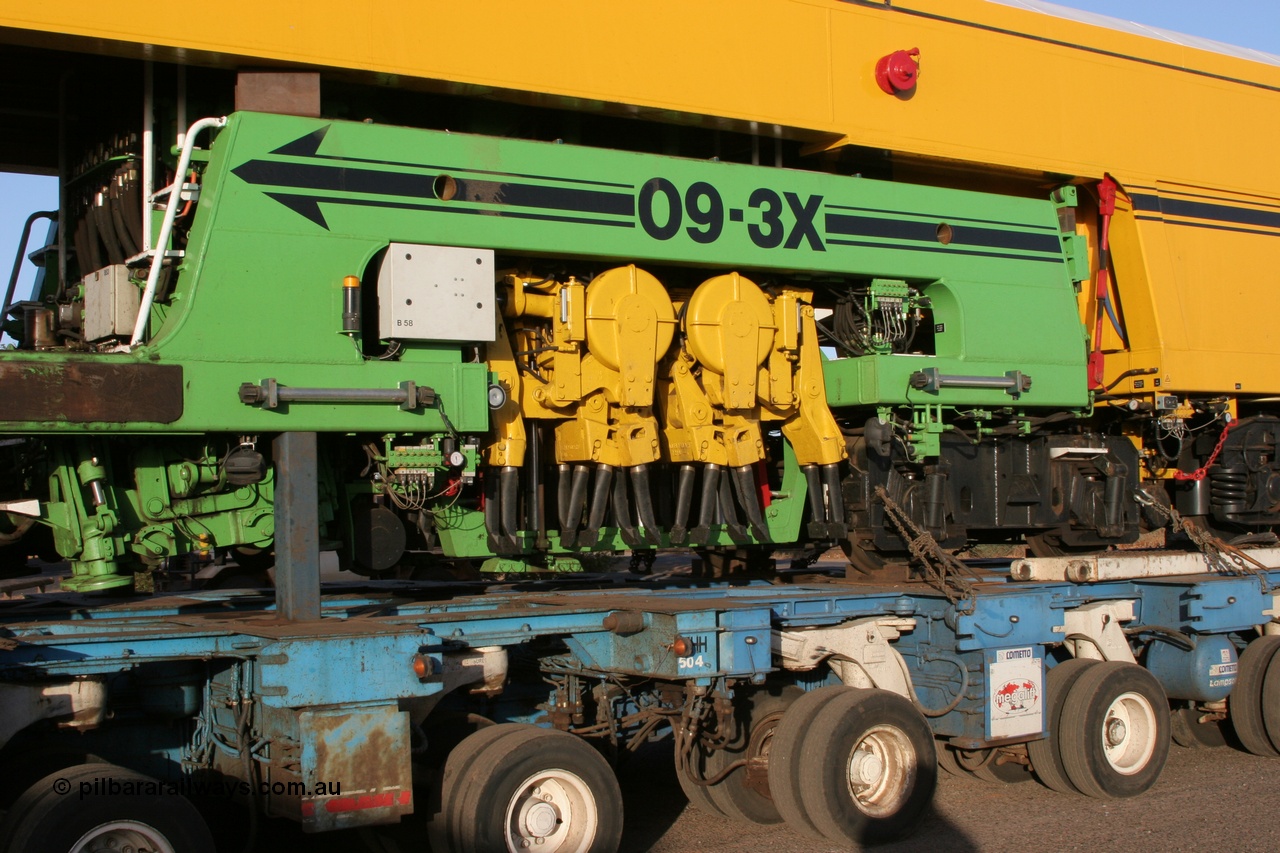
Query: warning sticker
pixel 1016 705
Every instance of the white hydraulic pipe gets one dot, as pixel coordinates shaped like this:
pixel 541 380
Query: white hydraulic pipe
pixel 148 152
pixel 182 104
pixel 166 226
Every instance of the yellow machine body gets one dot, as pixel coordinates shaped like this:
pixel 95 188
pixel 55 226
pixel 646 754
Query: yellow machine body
pixel 1007 98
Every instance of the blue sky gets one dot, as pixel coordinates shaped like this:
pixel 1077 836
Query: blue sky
pixel 1248 23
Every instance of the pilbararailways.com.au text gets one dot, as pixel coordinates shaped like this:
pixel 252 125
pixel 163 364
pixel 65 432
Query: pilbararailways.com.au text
pixel 107 786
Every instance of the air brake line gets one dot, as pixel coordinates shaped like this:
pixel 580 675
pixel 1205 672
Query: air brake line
pixel 1106 208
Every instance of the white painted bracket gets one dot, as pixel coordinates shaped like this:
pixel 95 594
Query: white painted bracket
pixel 1273 625
pixel 1093 630
pixel 859 652
pixel 1121 565
pixel 79 704
pixel 485 666
pixel 29 507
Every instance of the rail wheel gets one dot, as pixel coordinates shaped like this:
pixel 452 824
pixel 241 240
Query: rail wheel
pixel 725 563
pixel 869 769
pixel 1046 754
pixel 1245 704
pixel 538 789
pixel 1051 545
pixel 788 758
pixel 116 812
pixel 254 560
pixel 1115 730
pixel 865 561
pixel 744 793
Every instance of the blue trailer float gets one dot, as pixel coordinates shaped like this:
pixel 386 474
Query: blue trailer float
pixel 497 711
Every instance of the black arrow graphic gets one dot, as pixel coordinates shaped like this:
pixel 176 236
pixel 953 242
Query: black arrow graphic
pixel 407 190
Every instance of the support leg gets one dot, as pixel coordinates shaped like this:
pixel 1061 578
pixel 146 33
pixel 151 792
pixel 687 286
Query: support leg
pixel 297 512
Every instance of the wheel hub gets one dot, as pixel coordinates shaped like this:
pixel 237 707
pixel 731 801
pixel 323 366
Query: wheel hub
pixel 866 767
pixel 1116 732
pixel 540 819
pixel 552 811
pixel 122 837
pixel 880 770
pixel 1129 733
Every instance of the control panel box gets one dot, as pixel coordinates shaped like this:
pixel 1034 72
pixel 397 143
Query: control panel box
pixel 438 293
pixel 111 303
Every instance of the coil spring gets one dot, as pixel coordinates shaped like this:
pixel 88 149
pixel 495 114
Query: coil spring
pixel 1228 489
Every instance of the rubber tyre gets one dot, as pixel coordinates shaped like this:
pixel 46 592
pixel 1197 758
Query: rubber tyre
pixel 1271 700
pixel 1244 705
pixel 1108 694
pixel 786 760
pixel 699 796
pixel 32 762
pixel 581 803
pixel 1188 732
pixel 56 820
pixel 1002 773
pixel 760 712
pixel 947 760
pixel 876 737
pixel 446 799
pixel 1046 753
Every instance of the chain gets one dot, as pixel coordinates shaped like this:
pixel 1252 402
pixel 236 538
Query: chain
pixel 1220 554
pixel 942 571
pixel 1200 473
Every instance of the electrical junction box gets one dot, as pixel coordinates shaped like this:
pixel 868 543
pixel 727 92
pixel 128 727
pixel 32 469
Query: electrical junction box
pixel 436 293
pixel 111 303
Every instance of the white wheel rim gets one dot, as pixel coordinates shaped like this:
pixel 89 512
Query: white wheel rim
pixel 551 811
pixel 882 771
pixel 1129 733
pixel 123 836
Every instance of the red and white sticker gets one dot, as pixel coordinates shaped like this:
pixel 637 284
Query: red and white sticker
pixel 1016 679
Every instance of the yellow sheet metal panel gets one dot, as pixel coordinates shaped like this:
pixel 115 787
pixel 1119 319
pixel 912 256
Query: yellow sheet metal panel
pixel 1196 276
pixel 999 85
pixel 1004 89
pixel 1220 252
pixel 1016 88
pixel 761 60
